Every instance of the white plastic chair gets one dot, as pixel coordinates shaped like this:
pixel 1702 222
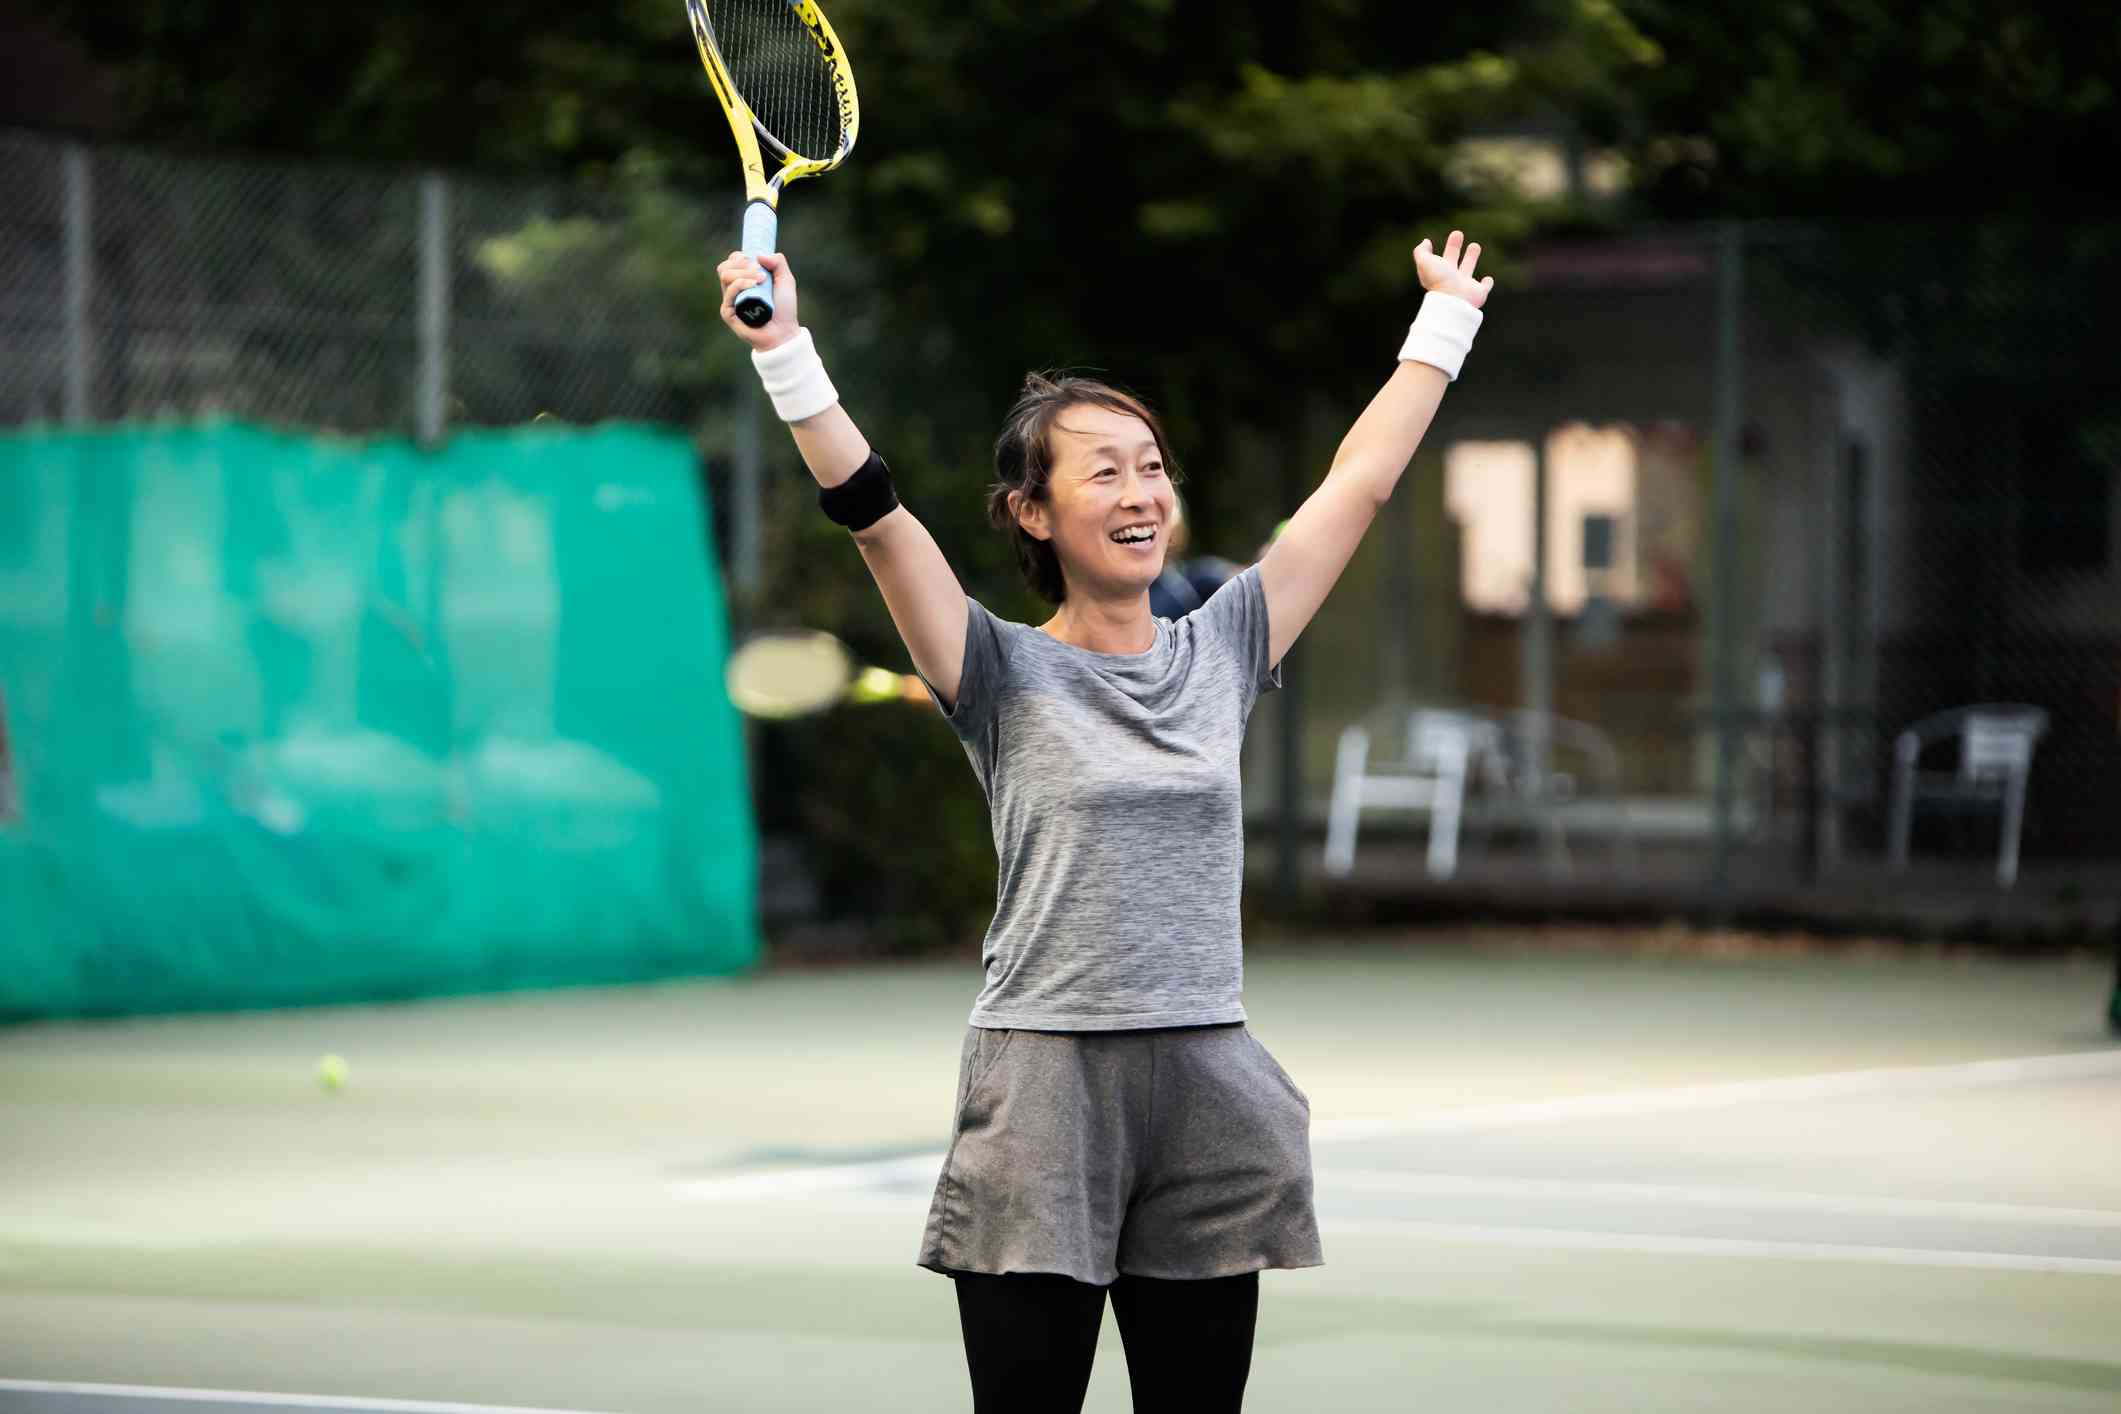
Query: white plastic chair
pixel 1995 764
pixel 1548 763
pixel 1443 749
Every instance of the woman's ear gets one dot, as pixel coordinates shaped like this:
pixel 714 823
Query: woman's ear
pixel 1031 515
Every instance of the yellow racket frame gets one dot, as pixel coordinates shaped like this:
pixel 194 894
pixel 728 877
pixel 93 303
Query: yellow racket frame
pixel 762 193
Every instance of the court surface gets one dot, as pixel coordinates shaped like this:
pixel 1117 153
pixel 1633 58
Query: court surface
pixel 1574 1181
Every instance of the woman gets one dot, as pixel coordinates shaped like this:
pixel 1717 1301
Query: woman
pixel 1118 1130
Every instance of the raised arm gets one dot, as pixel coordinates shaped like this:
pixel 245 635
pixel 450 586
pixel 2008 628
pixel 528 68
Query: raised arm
pixel 926 602
pixel 1307 558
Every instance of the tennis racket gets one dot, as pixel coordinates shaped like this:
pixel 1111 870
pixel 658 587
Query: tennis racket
pixel 784 81
pixel 795 673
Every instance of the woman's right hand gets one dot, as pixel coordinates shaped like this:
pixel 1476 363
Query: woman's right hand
pixel 739 273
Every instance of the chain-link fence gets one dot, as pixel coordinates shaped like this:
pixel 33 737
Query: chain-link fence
pixel 1723 511
pixel 1721 523
pixel 135 285
pixel 1949 535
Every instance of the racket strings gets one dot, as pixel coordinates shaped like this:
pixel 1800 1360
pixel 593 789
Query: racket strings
pixel 788 674
pixel 776 65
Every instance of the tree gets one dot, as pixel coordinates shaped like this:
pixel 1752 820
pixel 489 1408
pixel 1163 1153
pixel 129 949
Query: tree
pixel 1213 202
pixel 508 86
pixel 1861 109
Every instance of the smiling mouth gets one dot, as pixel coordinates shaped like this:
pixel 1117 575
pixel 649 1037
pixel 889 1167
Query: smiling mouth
pixel 1134 535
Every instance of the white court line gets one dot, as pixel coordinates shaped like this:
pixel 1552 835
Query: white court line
pixel 1897 1080
pixel 300 1401
pixel 1429 1185
pixel 849 1181
pixel 807 1181
pixel 1562 1239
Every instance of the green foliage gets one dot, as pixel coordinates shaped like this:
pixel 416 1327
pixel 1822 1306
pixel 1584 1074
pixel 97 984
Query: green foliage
pixel 1212 202
pixel 1862 108
pixel 509 84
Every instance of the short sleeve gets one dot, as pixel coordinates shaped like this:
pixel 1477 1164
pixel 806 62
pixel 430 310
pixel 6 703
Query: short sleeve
pixel 1236 614
pixel 979 684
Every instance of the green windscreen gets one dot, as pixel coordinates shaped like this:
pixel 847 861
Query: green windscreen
pixel 290 719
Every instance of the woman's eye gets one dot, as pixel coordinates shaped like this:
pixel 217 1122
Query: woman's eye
pixel 1153 469
pixel 1108 471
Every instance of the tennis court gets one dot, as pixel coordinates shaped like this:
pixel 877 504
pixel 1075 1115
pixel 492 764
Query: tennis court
pixel 1584 1180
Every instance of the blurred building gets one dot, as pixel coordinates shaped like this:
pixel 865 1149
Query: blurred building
pixel 1918 529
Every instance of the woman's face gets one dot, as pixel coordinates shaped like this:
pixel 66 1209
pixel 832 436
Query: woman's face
pixel 1108 506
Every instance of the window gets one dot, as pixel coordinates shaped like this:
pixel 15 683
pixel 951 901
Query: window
pixel 1488 491
pixel 1594 497
pixel 1597 544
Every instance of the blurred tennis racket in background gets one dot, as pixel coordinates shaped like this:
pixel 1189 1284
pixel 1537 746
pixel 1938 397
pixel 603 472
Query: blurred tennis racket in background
pixel 783 80
pixel 794 673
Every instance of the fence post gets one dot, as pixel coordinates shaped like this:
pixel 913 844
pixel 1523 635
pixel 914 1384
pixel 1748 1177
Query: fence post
pixel 745 483
pixel 1723 649
pixel 80 271
pixel 1289 717
pixel 1396 527
pixel 1538 644
pixel 434 308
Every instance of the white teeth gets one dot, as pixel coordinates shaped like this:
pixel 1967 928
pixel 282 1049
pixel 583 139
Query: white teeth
pixel 1134 535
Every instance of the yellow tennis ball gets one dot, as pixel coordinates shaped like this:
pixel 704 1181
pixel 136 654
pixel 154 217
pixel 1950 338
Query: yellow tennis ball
pixel 331 1072
pixel 876 685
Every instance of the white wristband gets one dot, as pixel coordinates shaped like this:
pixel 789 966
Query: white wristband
pixel 794 377
pixel 1441 334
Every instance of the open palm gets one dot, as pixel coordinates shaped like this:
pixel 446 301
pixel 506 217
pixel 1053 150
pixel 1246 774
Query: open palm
pixel 1451 272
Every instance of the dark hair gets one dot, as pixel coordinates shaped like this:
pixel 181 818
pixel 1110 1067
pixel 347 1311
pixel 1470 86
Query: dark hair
pixel 1023 462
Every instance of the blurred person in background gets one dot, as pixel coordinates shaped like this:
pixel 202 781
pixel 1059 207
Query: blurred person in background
pixel 1185 584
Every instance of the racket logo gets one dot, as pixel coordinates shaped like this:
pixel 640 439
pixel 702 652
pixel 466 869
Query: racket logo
pixel 842 79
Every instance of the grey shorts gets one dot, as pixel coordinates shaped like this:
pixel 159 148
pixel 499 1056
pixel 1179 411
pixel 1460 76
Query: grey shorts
pixel 1180 1154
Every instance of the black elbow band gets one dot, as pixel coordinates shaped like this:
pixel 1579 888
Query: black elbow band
pixel 862 499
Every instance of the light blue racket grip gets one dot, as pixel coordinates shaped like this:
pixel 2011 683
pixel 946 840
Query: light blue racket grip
pixel 762 229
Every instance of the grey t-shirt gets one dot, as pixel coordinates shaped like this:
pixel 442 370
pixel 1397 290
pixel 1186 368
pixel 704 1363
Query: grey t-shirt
pixel 1112 781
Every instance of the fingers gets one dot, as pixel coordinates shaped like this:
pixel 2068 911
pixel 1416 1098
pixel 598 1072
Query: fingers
pixel 782 276
pixel 1455 250
pixel 1459 257
pixel 740 272
pixel 775 266
pixel 770 273
pixel 1461 254
pixel 734 273
pixel 737 273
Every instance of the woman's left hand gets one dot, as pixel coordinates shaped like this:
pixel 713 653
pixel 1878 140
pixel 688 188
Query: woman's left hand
pixel 1451 273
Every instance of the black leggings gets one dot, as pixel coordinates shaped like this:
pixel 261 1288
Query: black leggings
pixel 1029 1341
